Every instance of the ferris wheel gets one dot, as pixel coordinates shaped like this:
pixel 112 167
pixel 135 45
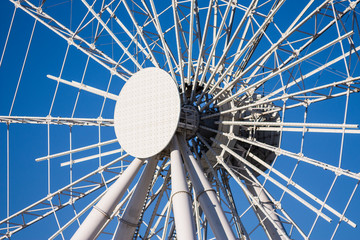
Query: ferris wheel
pixel 126 119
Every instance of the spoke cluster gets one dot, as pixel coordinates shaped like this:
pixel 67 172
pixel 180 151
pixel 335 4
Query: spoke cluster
pixel 266 130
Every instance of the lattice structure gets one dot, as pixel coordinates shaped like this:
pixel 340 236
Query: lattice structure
pixel 242 117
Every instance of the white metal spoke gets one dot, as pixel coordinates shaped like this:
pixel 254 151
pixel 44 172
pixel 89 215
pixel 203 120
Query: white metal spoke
pixel 253 198
pixel 317 130
pixel 161 36
pixel 297 127
pixel 95 156
pixel 76 150
pixel 287 33
pixel 276 183
pixel 111 34
pixel 289 124
pixel 190 44
pixel 303 190
pixel 179 49
pixel 216 40
pixel 228 46
pixel 56 121
pixel 298 80
pixel 149 52
pixel 309 101
pixel 314 162
pixel 286 96
pixel 22 68
pixel 258 84
pixel 17 219
pixel 201 50
pixel 84 87
pixel 69 36
pixel 241 115
pixel 238 57
pixel 7 36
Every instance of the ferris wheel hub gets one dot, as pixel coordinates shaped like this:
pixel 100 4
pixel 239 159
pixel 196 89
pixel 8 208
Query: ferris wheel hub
pixel 189 121
pixel 147 112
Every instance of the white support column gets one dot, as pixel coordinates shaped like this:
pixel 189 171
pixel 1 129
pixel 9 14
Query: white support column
pixel 273 232
pixel 206 195
pixel 181 198
pixel 130 218
pixel 104 208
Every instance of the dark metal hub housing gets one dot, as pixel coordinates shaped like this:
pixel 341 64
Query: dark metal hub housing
pixel 189 121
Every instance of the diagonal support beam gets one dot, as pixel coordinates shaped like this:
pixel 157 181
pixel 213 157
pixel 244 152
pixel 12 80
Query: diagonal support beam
pixel 206 195
pixel 105 207
pixel 73 39
pixel 268 206
pixel 181 197
pixel 109 31
pixel 130 218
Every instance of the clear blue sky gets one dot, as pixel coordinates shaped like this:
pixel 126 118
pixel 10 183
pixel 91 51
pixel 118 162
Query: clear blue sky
pixel 28 179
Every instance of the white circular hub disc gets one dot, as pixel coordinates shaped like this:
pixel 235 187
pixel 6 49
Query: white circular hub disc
pixel 147 112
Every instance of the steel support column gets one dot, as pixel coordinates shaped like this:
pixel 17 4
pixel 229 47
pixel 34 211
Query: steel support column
pixel 130 219
pixel 104 208
pixel 206 195
pixel 181 198
pixel 275 233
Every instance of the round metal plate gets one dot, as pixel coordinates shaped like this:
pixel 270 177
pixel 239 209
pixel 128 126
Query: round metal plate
pixel 147 112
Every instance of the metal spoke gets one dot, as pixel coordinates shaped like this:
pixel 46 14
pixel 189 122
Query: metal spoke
pixel 314 162
pixel 287 96
pixel 180 119
pixel 81 86
pixel 72 39
pixel 57 121
pixel 17 219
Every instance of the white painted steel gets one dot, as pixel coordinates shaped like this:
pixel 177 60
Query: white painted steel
pixel 284 188
pixel 57 121
pixel 336 170
pixel 286 96
pixel 104 208
pixel 75 150
pixel 181 197
pixel 147 112
pixel 274 233
pixel 291 124
pixel 67 189
pixel 83 159
pixel 84 87
pixel 295 64
pixel 206 195
pixel 317 130
pixel 130 218
pixel 253 199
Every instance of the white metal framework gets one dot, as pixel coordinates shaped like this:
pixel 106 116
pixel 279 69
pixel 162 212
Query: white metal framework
pixel 179 119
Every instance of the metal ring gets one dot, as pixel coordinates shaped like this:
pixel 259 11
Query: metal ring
pixel 179 192
pixel 207 190
pixel 102 212
pixel 128 223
